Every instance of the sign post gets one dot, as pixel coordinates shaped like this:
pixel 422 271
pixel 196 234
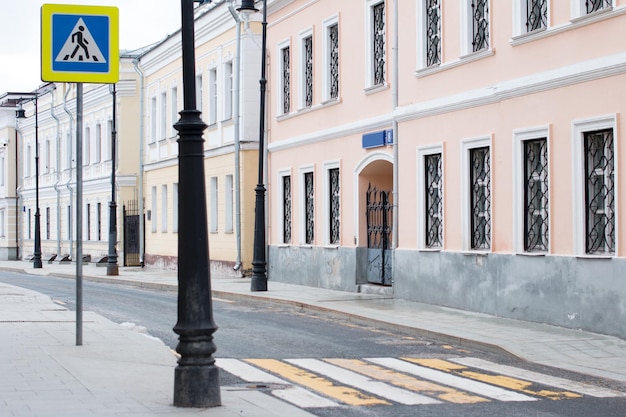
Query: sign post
pixel 79 44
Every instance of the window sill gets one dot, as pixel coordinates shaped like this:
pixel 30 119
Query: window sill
pixel 596 257
pixel 475 252
pixel 306 246
pixel 306 110
pixel 532 254
pixel 431 250
pixel 465 59
pixel 375 89
pixel 334 247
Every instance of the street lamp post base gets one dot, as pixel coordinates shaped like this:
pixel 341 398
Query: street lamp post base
pixel 258 283
pixel 197 386
pixel 113 270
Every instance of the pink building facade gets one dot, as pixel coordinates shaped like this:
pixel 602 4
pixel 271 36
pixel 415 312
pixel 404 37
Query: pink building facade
pixel 460 153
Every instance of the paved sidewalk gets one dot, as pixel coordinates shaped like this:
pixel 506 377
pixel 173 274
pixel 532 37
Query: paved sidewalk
pixel 43 349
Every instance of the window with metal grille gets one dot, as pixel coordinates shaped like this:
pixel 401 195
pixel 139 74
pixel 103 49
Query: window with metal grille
pixel 536 14
pixel 480 25
pixel 99 220
pixel 434 198
pixel 433 32
pixel 599 192
pixel 480 198
pixel 287 209
pixel 308 71
pixel 378 30
pixel 309 207
pixel 48 223
pixel 286 74
pixel 333 62
pixel 335 215
pixel 536 195
pixel 595 5
pixel 88 222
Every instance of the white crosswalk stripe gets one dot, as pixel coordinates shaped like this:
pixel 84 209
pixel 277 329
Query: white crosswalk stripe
pixel 553 381
pixel 451 380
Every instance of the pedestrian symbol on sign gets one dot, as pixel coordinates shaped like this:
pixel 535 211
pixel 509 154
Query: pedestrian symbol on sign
pixel 80 46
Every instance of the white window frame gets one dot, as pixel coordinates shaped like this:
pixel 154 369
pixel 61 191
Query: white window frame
pixel 199 91
pixel 228 91
pixel 212 112
pixel 97 149
pixel 280 212
pixel 326 76
pixel 466 146
pixel 519 137
pixel 579 10
pixel 579 128
pixel 153 207
pixel 174 109
pixel 519 19
pixel 164 208
pixel 279 76
pixel 87 147
pixel 422 153
pixel 229 192
pixel 369 46
pixel 175 207
pixel 302 206
pixel 213 189
pixel 302 36
pixel 467 34
pixel 2 170
pixel 421 38
pixel 327 166
pixel 153 119
pixel 3 223
pixel 163 115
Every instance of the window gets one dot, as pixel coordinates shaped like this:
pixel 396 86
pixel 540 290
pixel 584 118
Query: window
pixel 2 223
pixel 2 174
pixel 108 139
pixel 69 222
pixel 175 208
pixel 88 228
pixel 536 195
pixel 48 152
pixel 164 208
pixel 153 212
pixel 476 204
pixel 174 108
pixel 285 207
pixel 214 205
pixel 530 16
pixel 153 119
pixel 433 187
pixel 86 147
pixel 47 223
pixel 306 63
pixel 599 168
pixel 99 220
pixel 432 31
pixel 377 44
pixel 228 201
pixel 331 58
pixel 307 205
pixel 163 118
pixel 68 155
pixel 199 89
pixel 212 96
pixel 480 25
pixel 285 80
pixel 228 90
pixel 334 200
pixel 590 6
pixel 28 165
pixel 29 224
pixel 98 144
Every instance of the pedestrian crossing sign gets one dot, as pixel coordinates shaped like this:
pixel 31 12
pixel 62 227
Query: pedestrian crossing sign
pixel 79 43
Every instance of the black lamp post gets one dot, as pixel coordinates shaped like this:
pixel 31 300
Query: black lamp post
pixel 20 114
pixel 196 378
pixel 112 267
pixel 259 266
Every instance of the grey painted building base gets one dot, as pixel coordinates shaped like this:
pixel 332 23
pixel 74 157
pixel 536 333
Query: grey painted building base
pixel 8 254
pixel 572 292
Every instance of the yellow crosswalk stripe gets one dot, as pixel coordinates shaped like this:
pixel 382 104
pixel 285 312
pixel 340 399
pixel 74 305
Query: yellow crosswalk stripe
pixel 317 383
pixel 407 382
pixel 507 382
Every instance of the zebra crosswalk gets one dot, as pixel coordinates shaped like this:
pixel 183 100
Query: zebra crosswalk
pixel 334 382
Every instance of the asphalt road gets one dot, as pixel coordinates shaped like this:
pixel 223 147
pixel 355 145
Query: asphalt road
pixel 275 337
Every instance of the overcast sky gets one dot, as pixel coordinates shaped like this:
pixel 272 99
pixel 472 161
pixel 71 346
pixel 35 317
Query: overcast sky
pixel 142 22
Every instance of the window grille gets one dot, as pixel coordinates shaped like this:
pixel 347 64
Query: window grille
pixel 480 25
pixel 334 187
pixel 536 14
pixel 309 205
pixel 48 223
pixel 333 33
pixel 536 195
pixel 433 32
pixel 286 81
pixel 595 5
pixel 434 199
pixel 379 43
pixel 480 181
pixel 287 209
pixel 599 192
pixel 308 71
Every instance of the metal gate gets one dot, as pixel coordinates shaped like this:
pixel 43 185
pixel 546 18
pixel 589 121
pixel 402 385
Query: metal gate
pixel 131 234
pixel 379 222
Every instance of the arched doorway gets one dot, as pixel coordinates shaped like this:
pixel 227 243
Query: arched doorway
pixel 375 216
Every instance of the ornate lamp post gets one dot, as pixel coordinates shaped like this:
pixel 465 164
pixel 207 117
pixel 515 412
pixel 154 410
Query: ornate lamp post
pixel 112 267
pixel 196 378
pixel 259 265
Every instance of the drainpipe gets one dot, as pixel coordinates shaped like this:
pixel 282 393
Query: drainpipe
pixel 18 193
pixel 236 116
pixel 58 173
pixel 394 95
pixel 141 141
pixel 68 184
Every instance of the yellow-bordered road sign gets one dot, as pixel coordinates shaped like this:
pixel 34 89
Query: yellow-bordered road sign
pixel 79 43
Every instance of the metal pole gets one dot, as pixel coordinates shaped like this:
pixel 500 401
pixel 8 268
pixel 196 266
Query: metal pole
pixel 196 378
pixel 37 252
pixel 112 267
pixel 259 266
pixel 79 214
